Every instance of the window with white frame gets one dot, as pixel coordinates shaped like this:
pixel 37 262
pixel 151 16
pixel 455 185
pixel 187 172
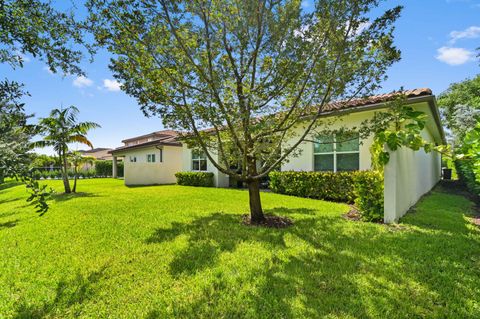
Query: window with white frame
pixel 133 159
pixel 337 153
pixel 199 161
pixel 150 158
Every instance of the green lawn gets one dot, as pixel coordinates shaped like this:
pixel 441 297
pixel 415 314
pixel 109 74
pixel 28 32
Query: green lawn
pixel 173 251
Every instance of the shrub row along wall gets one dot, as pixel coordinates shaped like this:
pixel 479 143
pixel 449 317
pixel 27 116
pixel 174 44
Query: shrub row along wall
pixel 195 179
pixel 466 175
pixel 364 188
pixel 100 169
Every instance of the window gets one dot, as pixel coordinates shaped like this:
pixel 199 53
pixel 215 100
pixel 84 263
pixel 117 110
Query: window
pixel 337 153
pixel 133 159
pixel 160 158
pixel 199 161
pixel 150 158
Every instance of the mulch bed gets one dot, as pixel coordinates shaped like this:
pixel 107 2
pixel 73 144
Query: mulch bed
pixel 270 221
pixel 353 214
pixel 476 220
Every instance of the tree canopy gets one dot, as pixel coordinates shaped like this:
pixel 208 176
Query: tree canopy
pixel 460 105
pixel 240 75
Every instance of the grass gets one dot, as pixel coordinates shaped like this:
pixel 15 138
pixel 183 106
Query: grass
pixel 173 251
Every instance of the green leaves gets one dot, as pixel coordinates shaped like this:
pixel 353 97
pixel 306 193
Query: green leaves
pixel 400 126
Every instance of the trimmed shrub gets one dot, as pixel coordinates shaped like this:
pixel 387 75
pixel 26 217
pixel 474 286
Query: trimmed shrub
pixel 320 185
pixel 466 175
pixel 364 188
pixel 103 168
pixel 368 190
pixel 204 179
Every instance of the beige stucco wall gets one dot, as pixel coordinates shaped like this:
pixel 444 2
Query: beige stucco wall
pixel 304 160
pixel 409 175
pixel 144 173
pixel 219 179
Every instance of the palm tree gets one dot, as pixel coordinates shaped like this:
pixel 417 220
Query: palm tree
pixel 76 159
pixel 61 128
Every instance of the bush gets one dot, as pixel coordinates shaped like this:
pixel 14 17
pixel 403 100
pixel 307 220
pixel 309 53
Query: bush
pixel 204 179
pixel 369 199
pixel 466 175
pixel 103 168
pixel 364 188
pixel 320 185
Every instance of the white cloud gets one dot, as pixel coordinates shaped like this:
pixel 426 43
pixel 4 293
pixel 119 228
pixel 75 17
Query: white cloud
pixel 454 56
pixel 305 4
pixel 111 85
pixel 469 33
pixel 46 68
pixel 82 81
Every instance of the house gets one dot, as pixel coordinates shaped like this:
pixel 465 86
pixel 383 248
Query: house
pixel 149 159
pixel 98 153
pixel 408 175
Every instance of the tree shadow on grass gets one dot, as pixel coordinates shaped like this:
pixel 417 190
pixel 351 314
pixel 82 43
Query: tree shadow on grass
pixel 364 271
pixel 62 197
pixel 10 200
pixel 8 185
pixel 68 294
pixel 208 237
pixel 9 224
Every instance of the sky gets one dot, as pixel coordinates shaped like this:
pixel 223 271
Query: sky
pixel 437 39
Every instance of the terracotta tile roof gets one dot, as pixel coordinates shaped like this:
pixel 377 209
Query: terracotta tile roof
pixel 375 99
pixel 162 133
pixel 169 137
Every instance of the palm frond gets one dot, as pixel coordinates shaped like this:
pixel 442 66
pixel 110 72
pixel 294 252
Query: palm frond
pixel 79 138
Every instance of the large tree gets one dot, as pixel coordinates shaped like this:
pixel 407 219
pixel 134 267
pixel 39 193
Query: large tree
pixel 32 27
pixel 240 74
pixel 460 106
pixel 60 129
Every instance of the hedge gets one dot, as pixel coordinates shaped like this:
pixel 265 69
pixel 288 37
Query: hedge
pixel 320 185
pixel 101 169
pixel 104 168
pixel 195 179
pixel 466 175
pixel 364 188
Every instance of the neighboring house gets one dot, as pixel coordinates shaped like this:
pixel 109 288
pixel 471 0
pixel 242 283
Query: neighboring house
pixel 99 153
pixel 150 159
pixel 408 175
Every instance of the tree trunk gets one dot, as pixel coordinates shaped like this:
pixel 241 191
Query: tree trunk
pixel 75 181
pixel 66 183
pixel 256 212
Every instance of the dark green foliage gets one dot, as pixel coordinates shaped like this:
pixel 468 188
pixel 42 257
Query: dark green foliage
pixel 104 168
pixel 320 185
pixel 369 199
pixel 466 175
pixel 364 188
pixel 204 179
pixel 39 194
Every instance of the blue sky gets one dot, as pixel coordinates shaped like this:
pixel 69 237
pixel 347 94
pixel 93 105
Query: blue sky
pixel 437 39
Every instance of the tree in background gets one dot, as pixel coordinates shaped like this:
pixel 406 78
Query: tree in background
pixel 250 71
pixel 460 105
pixel 32 27
pixel 76 160
pixel 60 129
pixel 15 133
